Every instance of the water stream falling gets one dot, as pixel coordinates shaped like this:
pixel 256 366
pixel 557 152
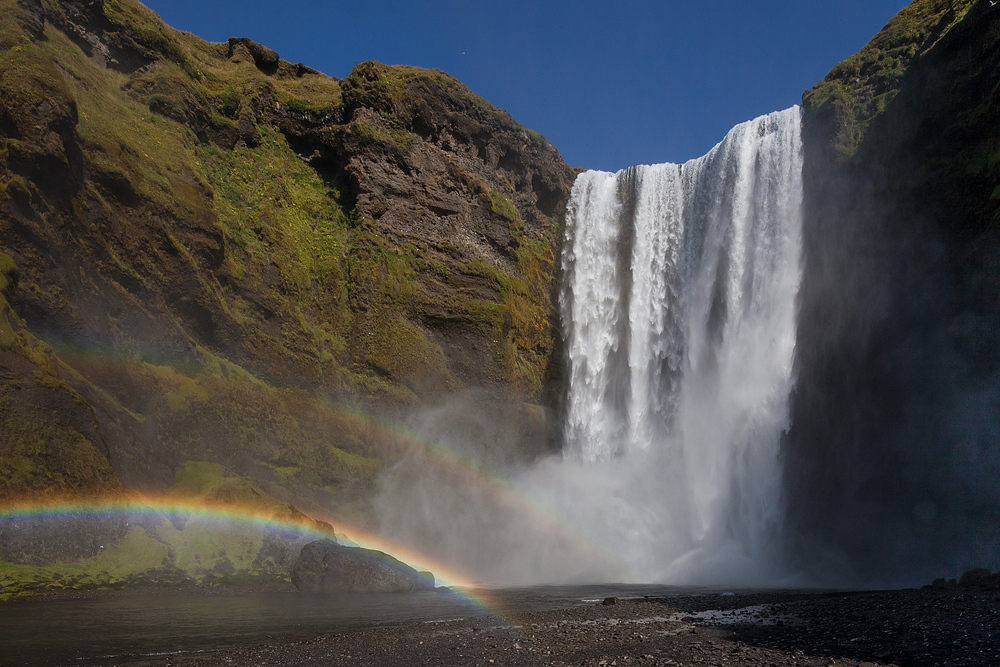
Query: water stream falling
pixel 679 303
pixel 679 308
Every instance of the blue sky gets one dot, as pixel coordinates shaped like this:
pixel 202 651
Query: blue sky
pixel 609 83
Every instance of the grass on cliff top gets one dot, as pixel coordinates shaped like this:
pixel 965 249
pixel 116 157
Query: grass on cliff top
pixel 278 217
pixel 237 81
pixel 136 26
pixel 123 138
pixel 859 88
pixel 381 87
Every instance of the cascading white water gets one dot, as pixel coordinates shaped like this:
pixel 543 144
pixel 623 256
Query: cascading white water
pixel 679 304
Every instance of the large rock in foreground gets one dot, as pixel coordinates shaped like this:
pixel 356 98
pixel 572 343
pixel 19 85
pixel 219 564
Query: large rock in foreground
pixel 324 566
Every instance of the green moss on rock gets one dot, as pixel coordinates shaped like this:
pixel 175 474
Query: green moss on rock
pixel 233 265
pixel 859 88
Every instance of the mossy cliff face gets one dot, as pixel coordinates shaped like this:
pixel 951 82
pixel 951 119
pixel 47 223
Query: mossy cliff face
pixel 860 88
pixel 892 459
pixel 208 252
pixel 231 544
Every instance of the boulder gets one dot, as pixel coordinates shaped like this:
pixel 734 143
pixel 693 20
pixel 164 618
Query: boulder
pixel 981 578
pixel 265 59
pixel 324 566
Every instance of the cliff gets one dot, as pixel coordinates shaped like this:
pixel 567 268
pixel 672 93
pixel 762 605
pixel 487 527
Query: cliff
pixel 210 254
pixel 891 461
pixel 211 258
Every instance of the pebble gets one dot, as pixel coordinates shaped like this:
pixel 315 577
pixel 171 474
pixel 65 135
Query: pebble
pixel 932 626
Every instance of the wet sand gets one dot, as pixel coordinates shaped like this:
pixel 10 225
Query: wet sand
pixel 930 626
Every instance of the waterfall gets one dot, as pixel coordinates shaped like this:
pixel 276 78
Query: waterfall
pixel 679 303
pixel 679 308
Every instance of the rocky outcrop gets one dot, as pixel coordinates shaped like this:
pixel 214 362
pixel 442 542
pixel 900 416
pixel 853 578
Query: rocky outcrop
pixel 324 566
pixel 859 89
pixel 980 577
pixel 210 250
pixel 45 542
pixel 888 461
pixel 211 529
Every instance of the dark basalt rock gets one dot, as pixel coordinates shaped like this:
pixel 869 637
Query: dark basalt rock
pixel 898 321
pixel 249 134
pixel 982 578
pixel 327 567
pixel 44 543
pixel 265 59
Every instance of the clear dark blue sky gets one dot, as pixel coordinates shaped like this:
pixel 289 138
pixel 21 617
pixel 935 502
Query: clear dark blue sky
pixel 610 83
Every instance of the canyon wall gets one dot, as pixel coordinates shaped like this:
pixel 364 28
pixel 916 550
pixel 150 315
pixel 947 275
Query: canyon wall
pixel 211 254
pixel 892 458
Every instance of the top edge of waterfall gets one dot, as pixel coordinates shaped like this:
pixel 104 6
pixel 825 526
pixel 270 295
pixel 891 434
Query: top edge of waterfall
pixel 678 299
pixel 795 107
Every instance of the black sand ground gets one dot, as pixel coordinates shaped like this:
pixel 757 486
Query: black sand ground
pixel 941 627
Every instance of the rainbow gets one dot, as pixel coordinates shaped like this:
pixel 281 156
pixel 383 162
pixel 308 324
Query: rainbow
pixel 293 524
pixel 438 454
pixel 61 509
pixel 465 467
pixel 273 520
pixel 289 525
pixel 319 525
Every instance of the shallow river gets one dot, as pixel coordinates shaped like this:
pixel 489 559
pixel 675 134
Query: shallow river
pixel 131 629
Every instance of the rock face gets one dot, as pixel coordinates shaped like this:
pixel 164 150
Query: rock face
pixel 324 566
pixel 42 543
pixel 892 457
pixel 236 536
pixel 205 250
pixel 982 578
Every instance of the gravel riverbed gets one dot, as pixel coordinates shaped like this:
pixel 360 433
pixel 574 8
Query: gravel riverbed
pixel 929 626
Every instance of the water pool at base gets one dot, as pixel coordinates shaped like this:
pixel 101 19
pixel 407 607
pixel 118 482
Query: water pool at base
pixel 131 629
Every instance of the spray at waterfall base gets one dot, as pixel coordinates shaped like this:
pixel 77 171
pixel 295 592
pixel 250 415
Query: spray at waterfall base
pixel 679 310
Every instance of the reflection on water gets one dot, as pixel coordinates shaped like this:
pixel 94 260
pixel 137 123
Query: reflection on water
pixel 129 629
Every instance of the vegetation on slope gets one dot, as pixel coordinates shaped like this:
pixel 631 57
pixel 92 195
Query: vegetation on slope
pixel 859 88
pixel 210 254
pixel 244 539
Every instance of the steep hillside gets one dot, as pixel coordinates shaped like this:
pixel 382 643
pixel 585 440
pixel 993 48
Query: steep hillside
pixel 210 254
pixel 892 458
pixel 860 88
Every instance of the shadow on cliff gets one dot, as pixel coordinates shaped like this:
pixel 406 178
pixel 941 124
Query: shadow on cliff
pixel 892 460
